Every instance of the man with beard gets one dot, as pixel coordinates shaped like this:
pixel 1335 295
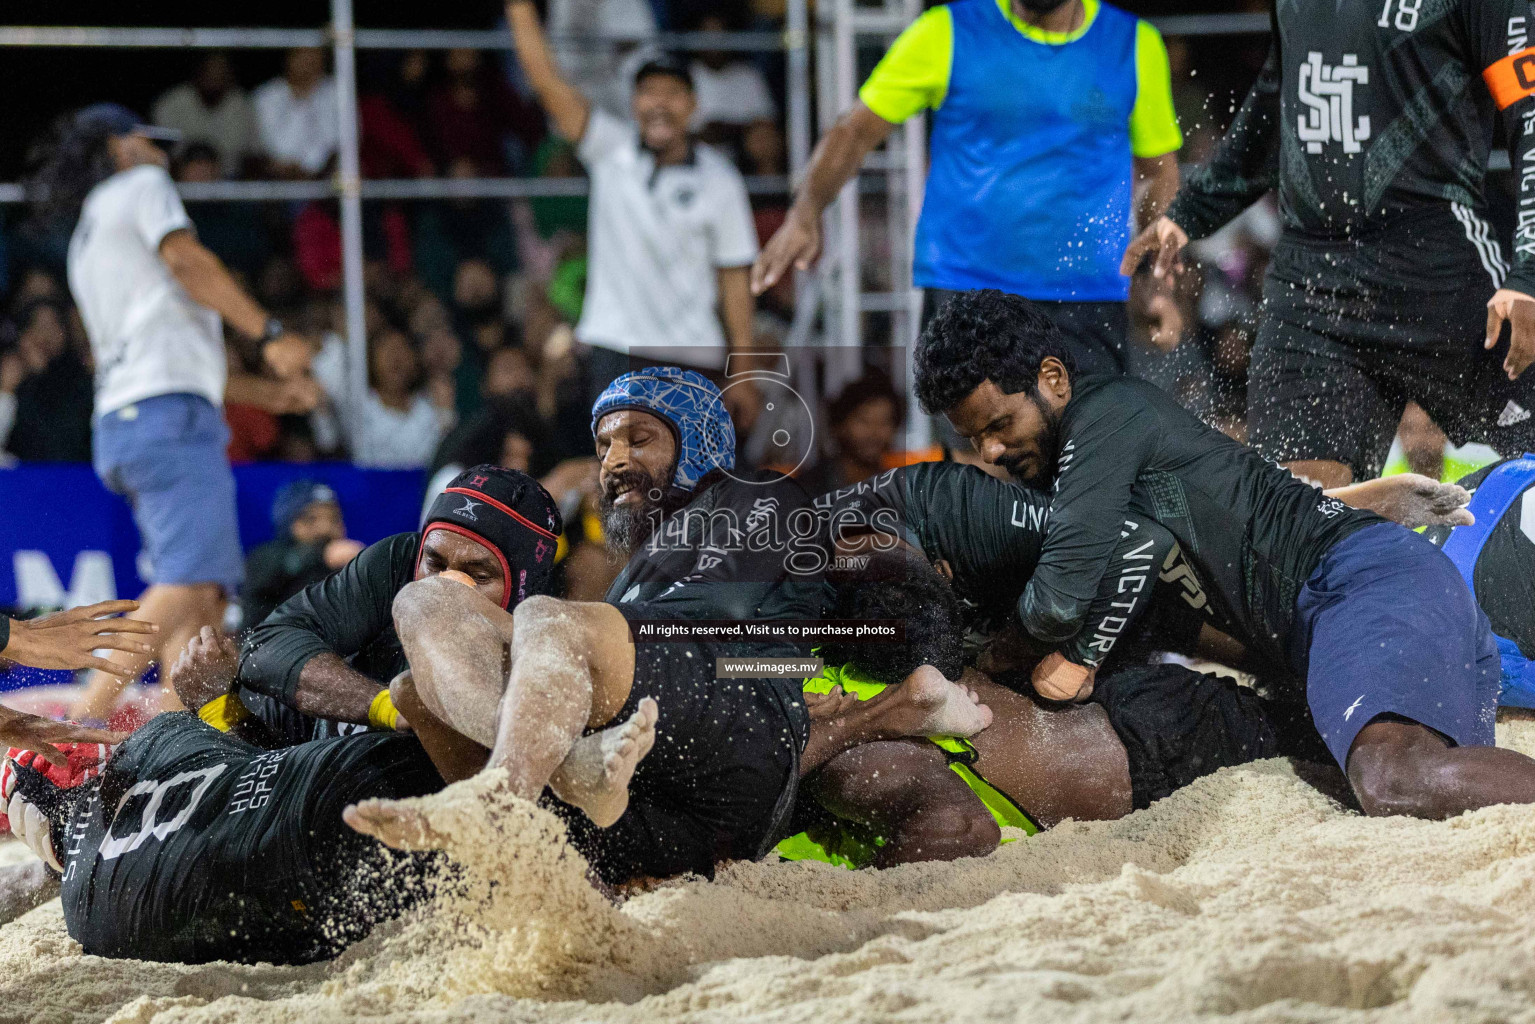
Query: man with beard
pixel 703 541
pixel 329 652
pixel 985 536
pixel 1399 664
pixel 1031 190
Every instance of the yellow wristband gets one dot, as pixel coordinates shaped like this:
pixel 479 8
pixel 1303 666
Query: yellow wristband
pixel 223 713
pixel 382 713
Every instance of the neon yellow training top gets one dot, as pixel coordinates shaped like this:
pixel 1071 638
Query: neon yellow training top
pixel 914 74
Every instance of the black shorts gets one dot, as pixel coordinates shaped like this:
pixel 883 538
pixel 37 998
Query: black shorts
pixel 1178 725
pixel 193 846
pixel 721 780
pixel 1094 331
pixel 1336 362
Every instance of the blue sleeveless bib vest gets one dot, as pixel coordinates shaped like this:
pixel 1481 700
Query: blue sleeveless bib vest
pixel 1030 185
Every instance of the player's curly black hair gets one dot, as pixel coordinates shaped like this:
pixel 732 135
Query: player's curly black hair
pixel 909 590
pixel 980 336
pixel 63 167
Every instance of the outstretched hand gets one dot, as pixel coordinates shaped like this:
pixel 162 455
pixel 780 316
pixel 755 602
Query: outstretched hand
pixel 67 639
pixel 1518 310
pixel 796 243
pixel 35 733
pixel 1162 239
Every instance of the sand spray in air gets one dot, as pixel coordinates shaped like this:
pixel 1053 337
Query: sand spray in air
pixel 515 914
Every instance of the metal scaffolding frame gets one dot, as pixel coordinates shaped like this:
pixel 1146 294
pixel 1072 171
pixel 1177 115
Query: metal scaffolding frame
pixel 898 171
pixel 345 39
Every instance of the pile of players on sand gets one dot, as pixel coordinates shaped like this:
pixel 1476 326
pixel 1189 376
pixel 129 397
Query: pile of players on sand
pixel 1026 686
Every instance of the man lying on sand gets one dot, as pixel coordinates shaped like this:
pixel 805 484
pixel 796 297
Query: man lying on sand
pixel 1151 729
pixel 195 844
pixel 1401 671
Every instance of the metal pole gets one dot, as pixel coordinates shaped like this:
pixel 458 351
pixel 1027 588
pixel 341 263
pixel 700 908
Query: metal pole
pixel 797 85
pixel 349 184
pixel 850 284
pixel 797 42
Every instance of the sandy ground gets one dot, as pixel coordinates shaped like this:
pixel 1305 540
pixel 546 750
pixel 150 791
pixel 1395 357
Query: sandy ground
pixel 1249 896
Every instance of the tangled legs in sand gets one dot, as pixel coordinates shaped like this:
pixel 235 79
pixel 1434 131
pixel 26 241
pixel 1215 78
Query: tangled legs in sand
pixel 571 669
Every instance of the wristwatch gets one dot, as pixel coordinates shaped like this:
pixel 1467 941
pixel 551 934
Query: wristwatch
pixel 273 329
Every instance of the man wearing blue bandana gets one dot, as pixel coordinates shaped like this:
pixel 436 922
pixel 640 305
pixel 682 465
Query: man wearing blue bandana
pixel 703 540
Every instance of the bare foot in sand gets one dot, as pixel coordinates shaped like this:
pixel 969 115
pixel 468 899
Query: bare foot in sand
pixel 595 774
pixel 927 704
pixel 393 823
pixel 1410 499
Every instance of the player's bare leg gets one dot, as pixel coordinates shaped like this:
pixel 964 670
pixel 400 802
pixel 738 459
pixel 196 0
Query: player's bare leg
pixel 572 669
pixel 924 704
pixel 595 774
pixel 1410 499
pixel 1398 766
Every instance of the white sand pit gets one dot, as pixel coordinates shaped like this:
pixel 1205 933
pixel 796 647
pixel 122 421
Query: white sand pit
pixel 1249 895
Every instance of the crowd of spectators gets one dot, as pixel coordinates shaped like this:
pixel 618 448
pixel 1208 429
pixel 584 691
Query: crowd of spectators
pixel 471 303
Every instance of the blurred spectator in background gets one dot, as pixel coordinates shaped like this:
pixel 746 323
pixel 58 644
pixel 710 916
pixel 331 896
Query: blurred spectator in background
pixel 45 390
pixel 599 44
pixel 473 115
pixel 671 229
pixel 232 230
pixel 213 110
pixel 297 116
pixel 388 146
pixel 734 102
pixel 454 230
pixel 309 543
pixel 864 421
pixel 403 417
pixel 507 431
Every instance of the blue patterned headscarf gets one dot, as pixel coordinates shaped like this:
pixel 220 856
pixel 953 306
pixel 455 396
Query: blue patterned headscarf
pixel 687 402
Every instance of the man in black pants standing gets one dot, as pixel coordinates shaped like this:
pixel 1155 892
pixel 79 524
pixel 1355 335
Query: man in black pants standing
pixel 1375 122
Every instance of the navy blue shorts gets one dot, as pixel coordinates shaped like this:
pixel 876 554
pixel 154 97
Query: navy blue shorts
pixel 1386 625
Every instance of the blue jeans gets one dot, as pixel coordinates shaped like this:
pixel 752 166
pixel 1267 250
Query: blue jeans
pixel 166 455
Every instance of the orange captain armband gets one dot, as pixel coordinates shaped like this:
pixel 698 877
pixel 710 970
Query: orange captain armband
pixel 1512 78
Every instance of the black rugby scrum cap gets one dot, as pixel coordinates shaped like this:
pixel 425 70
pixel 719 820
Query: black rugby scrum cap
pixel 510 513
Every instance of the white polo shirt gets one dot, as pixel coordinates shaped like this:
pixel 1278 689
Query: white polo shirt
pixel 656 238
pixel 299 130
pixel 147 335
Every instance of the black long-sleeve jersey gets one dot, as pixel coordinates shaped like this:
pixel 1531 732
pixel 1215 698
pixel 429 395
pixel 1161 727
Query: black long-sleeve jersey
pixel 194 846
pixel 1375 122
pixel 740 549
pixel 992 532
pixel 349 613
pixel 1253 532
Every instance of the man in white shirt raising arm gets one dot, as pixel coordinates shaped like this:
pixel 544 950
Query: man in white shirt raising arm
pixel 670 233
pixel 152 298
